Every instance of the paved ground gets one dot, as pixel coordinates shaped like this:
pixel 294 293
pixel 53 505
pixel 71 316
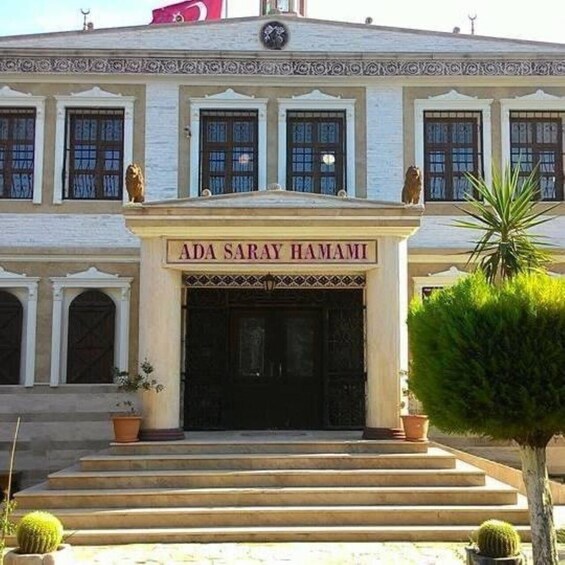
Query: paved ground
pixel 281 554
pixel 274 554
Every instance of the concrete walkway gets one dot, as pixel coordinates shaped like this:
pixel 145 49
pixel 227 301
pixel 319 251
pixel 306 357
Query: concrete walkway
pixel 369 553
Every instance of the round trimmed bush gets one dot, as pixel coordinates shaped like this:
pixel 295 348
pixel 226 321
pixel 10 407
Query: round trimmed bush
pixel 39 532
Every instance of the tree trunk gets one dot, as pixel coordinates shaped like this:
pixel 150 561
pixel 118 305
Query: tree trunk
pixel 540 505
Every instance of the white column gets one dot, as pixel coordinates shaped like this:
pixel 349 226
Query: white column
pixel 123 329
pixel 386 297
pixel 56 335
pixel 30 329
pixel 160 340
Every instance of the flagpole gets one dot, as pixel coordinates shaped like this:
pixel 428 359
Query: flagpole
pixel 226 9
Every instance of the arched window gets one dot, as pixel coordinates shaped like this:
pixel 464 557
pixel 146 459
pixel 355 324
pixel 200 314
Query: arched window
pixel 11 318
pixel 92 322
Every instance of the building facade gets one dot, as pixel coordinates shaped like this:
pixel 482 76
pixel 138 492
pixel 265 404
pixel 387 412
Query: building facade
pixel 274 151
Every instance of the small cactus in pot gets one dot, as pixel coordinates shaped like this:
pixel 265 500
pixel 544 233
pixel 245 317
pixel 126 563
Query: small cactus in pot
pixel 496 542
pixel 39 532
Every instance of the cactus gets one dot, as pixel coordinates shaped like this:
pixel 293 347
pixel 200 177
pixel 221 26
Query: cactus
pixel 39 532
pixel 498 539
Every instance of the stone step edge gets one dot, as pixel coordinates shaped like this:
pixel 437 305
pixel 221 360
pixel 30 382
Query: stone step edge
pixel 285 533
pixel 390 509
pixel 75 470
pixel 252 442
pixel 43 490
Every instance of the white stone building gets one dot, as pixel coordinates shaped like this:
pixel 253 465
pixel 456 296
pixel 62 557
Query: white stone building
pixel 331 112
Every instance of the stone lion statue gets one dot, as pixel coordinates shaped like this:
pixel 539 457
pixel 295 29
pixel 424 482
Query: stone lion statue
pixel 413 184
pixel 135 184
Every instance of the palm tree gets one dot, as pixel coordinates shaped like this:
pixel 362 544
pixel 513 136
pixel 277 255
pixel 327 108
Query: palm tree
pixel 506 211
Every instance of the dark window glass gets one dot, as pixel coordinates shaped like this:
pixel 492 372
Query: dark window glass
pixel 536 140
pixel 11 315
pixel 228 151
pixel 94 154
pixel 90 356
pixel 17 145
pixel 452 149
pixel 316 152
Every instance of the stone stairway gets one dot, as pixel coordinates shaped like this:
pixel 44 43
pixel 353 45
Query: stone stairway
pixel 272 488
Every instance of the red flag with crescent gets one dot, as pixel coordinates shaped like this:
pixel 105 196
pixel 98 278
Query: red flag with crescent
pixel 189 11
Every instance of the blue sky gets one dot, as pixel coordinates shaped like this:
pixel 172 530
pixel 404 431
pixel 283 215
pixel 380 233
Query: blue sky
pixel 506 18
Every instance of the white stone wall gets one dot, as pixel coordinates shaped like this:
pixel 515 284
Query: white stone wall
pixel 385 143
pixel 65 230
pixel 161 140
pixel 242 34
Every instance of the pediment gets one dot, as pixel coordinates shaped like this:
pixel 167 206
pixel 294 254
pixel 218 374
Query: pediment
pixel 306 36
pixel 273 199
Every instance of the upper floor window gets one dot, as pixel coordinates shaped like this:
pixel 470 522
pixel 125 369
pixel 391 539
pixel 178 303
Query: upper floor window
pixel 229 150
pixel 316 151
pixel 94 153
pixel 536 140
pixel 17 147
pixel 93 145
pixel 452 149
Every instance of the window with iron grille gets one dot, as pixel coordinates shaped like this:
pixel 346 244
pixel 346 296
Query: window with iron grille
pixel 94 154
pixel 536 140
pixel 452 149
pixel 17 145
pixel 11 318
pixel 90 352
pixel 228 150
pixel 316 152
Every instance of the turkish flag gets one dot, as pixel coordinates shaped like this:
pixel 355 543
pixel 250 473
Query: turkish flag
pixel 189 11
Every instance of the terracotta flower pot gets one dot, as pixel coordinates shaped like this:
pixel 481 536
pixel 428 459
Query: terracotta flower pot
pixel 126 428
pixel 415 427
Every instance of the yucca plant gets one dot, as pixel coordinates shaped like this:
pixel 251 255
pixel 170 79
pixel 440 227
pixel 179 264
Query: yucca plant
pixel 506 211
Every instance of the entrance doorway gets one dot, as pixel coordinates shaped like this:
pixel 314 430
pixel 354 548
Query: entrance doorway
pixel 288 359
pixel 276 369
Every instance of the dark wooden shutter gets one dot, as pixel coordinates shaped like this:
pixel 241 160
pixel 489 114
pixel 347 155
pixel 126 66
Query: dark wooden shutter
pixel 11 317
pixel 90 356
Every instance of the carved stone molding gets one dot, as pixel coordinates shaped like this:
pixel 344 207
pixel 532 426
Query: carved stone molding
pixel 278 66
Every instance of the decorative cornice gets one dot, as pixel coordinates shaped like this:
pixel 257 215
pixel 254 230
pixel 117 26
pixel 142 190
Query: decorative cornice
pixel 316 95
pixel 538 95
pixel 451 96
pixel 229 94
pixel 272 66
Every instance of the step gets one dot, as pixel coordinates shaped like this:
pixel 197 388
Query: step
pixel 295 496
pixel 435 458
pixel 188 447
pixel 409 533
pixel 256 516
pixel 73 478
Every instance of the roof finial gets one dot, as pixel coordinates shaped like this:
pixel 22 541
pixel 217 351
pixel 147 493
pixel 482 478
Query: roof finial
pixel 86 26
pixel 472 20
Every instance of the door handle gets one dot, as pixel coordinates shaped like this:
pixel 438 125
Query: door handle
pixel 280 370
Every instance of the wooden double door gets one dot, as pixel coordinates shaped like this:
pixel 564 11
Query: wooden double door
pixel 276 378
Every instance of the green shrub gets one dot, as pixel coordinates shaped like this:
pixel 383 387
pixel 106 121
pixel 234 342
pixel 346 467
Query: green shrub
pixel 39 532
pixel 489 359
pixel 498 539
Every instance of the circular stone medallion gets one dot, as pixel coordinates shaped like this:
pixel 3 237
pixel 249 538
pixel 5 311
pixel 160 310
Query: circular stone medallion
pixel 274 35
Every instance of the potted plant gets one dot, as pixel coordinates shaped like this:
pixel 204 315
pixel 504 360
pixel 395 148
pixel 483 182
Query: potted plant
pixel 415 423
pixel 39 536
pixel 128 421
pixel 496 543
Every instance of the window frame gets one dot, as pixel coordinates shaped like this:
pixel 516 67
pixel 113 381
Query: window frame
pixel 15 99
pixel 24 288
pixel 453 101
pixel 91 100
pixel 317 101
pixel 539 101
pixel 437 280
pixel 340 173
pixel 65 290
pixel 230 116
pixel 226 101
